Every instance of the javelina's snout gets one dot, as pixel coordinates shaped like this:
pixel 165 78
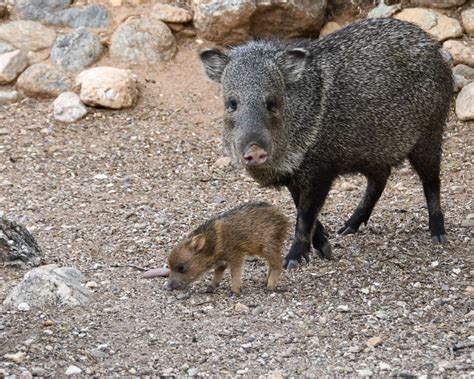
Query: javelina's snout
pixel 173 285
pixel 254 155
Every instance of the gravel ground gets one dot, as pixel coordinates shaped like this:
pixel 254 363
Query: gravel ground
pixel 158 179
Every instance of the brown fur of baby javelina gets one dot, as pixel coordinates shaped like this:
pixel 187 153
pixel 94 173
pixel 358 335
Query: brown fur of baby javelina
pixel 224 241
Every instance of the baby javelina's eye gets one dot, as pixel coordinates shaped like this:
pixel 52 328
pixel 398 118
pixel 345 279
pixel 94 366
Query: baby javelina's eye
pixel 231 105
pixel 272 105
pixel 181 268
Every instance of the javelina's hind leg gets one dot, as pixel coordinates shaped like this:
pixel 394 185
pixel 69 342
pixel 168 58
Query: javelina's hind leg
pixel 426 162
pixel 376 181
pixel 216 279
pixel 275 262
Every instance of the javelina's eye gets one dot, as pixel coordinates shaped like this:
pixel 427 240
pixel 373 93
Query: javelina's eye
pixel 271 105
pixel 231 105
pixel 181 268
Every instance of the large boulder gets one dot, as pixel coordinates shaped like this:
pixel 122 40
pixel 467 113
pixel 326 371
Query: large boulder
pixel 438 25
pixel 49 286
pixel 234 21
pixel 143 40
pixel 43 80
pixel 76 50
pixel 108 87
pixel 27 35
pixel 12 64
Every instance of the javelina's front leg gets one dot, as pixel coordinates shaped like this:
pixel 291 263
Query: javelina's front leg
pixel 309 202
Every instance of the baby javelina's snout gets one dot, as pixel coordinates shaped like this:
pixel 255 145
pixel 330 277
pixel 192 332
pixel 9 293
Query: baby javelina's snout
pixel 224 241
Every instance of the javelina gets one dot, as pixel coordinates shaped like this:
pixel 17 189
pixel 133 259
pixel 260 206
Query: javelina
pixel 250 229
pixel 362 99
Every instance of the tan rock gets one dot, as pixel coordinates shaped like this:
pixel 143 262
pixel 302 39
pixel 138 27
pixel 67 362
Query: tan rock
pixel 467 17
pixel 108 87
pixel 462 52
pixel 170 13
pixel 438 3
pixel 438 25
pixel 115 3
pixel 328 28
pixel 374 341
pixel 12 64
pixel 27 35
pixel 175 28
pixel 17 357
pixel 465 103
pixel 241 308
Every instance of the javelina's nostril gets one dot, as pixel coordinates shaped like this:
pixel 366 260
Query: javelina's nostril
pixel 255 156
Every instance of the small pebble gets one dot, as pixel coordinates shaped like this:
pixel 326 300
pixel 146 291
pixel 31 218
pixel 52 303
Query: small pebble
pixel 257 310
pixel 183 296
pixel 73 370
pixel 23 307
pixel 241 308
pixel 457 271
pixel 374 341
pixel 38 371
pixel 343 308
pixel 92 284
pixel 25 375
pixel 434 264
pixel 384 366
pixel 17 357
pixel 365 372
pixel 101 177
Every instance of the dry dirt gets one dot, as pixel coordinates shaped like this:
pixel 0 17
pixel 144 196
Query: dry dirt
pixel 387 281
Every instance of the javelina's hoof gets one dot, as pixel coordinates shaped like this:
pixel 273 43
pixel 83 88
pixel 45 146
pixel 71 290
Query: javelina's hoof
pixel 234 295
pixel 290 265
pixel 325 252
pixel 439 239
pixel 210 289
pixel 345 230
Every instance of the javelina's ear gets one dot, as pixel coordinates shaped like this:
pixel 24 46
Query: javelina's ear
pixel 198 242
pixel 214 62
pixel 292 63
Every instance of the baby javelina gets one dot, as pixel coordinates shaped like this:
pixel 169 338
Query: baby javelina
pixel 224 241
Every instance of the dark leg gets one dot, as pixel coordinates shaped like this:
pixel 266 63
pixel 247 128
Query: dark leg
pixel 376 181
pixel 309 202
pixel 320 242
pixel 427 164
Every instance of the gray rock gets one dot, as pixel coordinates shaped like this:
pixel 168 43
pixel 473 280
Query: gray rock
pixel 364 373
pixel 76 50
pixel 38 10
pixel 43 80
pixel 459 82
pixel 27 35
pixel 231 21
pixel 193 371
pixel 144 40
pixel 5 47
pixel 49 286
pixel 467 17
pixel 8 97
pixel 91 16
pixel 12 64
pixel 461 51
pixel 463 70
pixel 68 107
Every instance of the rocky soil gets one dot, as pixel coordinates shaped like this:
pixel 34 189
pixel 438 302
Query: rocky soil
pixel 113 192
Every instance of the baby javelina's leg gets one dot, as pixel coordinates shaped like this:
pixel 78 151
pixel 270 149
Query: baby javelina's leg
pixel 275 263
pixel 236 274
pixel 218 273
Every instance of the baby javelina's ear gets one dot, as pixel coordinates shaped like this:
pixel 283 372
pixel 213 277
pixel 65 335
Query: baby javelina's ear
pixel 197 243
pixel 214 62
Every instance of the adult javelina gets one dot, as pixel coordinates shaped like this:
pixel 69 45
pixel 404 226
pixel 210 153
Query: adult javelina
pixel 298 114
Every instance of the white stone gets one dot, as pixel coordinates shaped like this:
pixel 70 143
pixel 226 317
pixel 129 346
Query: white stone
pixel 68 107
pixel 17 357
pixel 24 307
pixel 49 285
pixel 343 308
pixel 365 372
pixel 100 176
pixel 73 370
pixel 462 52
pixel 465 103
pixel 12 64
pixel 108 87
